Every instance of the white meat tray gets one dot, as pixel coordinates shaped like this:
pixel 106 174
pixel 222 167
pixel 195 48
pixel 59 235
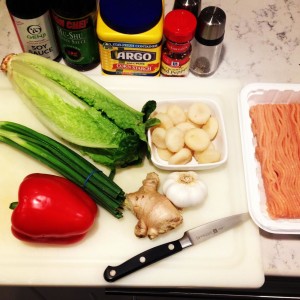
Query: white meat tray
pixel 252 94
pixel 232 259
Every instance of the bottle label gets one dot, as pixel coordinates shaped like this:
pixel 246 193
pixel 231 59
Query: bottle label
pixel 130 58
pixel 37 36
pixel 178 48
pixel 77 39
pixel 171 66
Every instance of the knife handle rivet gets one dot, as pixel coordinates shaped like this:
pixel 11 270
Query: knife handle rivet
pixel 171 247
pixel 142 259
pixel 112 273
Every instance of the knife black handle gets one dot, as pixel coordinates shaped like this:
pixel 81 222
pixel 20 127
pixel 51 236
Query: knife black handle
pixel 142 260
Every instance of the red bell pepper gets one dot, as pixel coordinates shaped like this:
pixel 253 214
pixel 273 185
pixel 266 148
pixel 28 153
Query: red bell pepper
pixel 52 209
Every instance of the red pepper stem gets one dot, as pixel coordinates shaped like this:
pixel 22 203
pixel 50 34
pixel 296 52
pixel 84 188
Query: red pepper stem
pixel 13 205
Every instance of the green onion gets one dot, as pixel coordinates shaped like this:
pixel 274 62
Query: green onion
pixel 102 189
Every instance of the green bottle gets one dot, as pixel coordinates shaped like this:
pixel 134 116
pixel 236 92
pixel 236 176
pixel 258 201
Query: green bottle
pixel 75 23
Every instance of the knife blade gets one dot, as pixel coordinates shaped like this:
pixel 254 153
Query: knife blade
pixel 190 238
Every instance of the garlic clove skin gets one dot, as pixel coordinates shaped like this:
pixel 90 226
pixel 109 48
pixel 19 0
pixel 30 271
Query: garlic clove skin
pixel 185 189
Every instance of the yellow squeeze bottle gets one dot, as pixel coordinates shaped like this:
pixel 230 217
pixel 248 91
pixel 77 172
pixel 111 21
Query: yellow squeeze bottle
pixel 130 36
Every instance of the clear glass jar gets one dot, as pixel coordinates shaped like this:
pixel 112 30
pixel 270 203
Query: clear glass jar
pixel 205 59
pixel 208 41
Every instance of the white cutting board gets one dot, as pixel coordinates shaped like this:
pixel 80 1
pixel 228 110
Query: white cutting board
pixel 232 259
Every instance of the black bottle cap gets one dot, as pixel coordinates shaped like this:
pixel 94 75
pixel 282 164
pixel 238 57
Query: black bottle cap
pixel 29 9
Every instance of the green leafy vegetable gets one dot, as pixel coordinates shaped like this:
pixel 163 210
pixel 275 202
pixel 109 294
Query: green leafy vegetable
pixel 81 111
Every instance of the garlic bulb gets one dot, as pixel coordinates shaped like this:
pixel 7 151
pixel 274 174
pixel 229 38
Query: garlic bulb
pixel 184 189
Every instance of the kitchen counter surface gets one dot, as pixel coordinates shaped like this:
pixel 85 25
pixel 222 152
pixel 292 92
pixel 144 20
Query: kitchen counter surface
pixel 262 44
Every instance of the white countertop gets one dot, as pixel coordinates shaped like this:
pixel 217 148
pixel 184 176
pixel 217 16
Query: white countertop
pixel 262 44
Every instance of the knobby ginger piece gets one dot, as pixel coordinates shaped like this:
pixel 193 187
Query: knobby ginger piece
pixel 155 213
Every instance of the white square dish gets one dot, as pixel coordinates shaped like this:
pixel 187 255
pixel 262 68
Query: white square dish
pixel 253 94
pixel 220 141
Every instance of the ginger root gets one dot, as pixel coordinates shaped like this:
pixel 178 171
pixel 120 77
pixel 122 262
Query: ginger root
pixel 155 213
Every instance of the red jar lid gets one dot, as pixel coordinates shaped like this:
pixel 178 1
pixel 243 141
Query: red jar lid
pixel 180 26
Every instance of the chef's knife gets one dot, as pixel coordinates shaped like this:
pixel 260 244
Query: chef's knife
pixel 190 238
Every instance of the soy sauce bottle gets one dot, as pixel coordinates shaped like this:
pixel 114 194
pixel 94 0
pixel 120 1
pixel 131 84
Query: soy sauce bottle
pixel 75 22
pixel 34 28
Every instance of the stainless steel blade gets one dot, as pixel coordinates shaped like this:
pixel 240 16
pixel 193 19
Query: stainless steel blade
pixel 206 231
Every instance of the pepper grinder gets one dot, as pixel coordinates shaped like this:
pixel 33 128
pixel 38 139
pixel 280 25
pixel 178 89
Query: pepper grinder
pixel 191 5
pixel 208 41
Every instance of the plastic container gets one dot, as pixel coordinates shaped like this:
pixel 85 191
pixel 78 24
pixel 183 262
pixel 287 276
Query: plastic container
pixel 220 141
pixel 76 29
pixel 179 30
pixel 32 22
pixel 130 34
pixel 252 94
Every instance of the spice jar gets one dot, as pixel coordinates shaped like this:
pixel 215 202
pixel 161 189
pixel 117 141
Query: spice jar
pixel 208 41
pixel 34 29
pixel 179 30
